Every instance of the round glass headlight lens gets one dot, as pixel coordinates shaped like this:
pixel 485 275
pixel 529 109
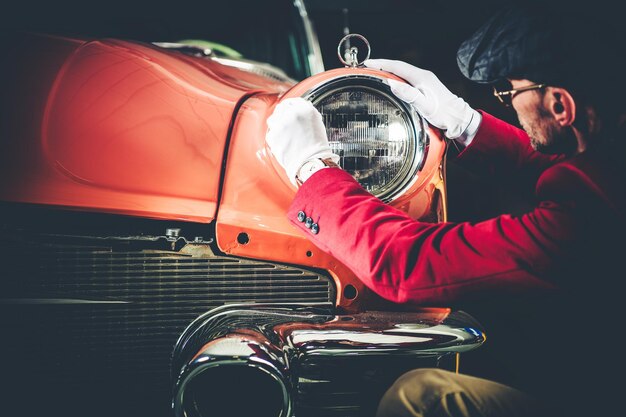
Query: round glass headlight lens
pixel 381 141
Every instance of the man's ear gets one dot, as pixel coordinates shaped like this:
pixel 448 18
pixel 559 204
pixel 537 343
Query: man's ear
pixel 561 105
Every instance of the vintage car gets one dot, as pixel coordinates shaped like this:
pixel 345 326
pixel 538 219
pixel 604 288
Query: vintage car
pixel 149 268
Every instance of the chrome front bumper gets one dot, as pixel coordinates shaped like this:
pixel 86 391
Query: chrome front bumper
pixel 264 359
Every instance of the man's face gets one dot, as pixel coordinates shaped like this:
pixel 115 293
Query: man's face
pixel 546 135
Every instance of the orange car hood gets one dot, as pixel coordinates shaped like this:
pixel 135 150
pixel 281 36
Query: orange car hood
pixel 118 126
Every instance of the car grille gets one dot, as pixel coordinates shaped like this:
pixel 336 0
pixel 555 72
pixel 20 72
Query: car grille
pixel 352 387
pixel 91 315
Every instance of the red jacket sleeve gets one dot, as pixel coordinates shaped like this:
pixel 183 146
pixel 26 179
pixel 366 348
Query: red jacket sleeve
pixel 405 260
pixel 502 150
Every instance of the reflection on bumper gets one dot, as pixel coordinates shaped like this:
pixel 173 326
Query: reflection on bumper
pixel 255 358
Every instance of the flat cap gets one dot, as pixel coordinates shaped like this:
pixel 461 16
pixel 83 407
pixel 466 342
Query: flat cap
pixel 539 46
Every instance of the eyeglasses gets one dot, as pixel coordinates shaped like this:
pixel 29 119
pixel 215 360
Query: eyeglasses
pixel 506 97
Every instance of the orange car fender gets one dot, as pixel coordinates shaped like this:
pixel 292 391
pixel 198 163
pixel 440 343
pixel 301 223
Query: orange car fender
pixel 256 194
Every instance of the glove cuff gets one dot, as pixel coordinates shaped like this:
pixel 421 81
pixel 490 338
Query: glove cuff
pixel 470 131
pixel 459 115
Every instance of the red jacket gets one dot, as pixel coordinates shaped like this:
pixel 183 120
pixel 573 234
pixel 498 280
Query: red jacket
pixel 580 204
pixel 548 343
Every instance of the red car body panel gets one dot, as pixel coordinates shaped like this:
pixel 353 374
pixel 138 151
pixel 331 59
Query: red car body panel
pixel 124 128
pixel 134 129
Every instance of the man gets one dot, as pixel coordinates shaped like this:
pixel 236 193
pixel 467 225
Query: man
pixel 545 280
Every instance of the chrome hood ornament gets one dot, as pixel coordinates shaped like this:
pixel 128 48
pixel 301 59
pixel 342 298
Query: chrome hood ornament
pixel 349 58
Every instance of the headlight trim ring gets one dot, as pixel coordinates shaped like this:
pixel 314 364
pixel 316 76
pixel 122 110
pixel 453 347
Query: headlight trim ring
pixel 414 123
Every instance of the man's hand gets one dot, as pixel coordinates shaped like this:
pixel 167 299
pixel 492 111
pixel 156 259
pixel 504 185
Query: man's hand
pixel 430 98
pixel 296 134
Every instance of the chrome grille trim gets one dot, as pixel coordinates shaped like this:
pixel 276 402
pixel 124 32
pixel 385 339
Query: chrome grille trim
pixel 120 304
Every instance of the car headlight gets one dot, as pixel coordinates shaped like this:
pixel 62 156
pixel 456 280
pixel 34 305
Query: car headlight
pixel 380 139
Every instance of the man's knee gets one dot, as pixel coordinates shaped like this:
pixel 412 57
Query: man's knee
pixel 435 392
pixel 415 392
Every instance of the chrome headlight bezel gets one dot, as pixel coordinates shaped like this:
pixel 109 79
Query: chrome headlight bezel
pixel 415 124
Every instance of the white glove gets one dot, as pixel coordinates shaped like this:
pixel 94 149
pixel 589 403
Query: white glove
pixel 296 134
pixel 430 98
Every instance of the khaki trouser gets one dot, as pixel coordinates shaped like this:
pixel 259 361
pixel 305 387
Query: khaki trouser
pixel 435 392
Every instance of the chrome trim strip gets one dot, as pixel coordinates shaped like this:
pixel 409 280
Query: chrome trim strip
pixel 55 301
pixel 256 67
pixel 316 62
pixel 248 65
pixel 185 48
pixel 316 87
